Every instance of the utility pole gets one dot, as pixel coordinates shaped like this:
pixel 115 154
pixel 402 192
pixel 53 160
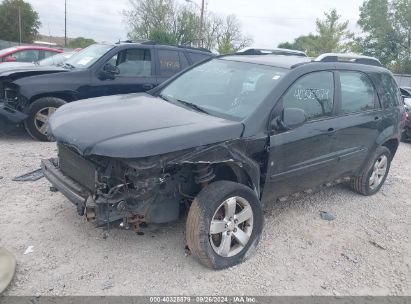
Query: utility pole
pixel 201 34
pixel 65 23
pixel 20 24
pixel 202 24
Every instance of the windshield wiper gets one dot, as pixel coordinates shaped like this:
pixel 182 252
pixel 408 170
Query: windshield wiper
pixel 185 103
pixel 68 65
pixel 193 106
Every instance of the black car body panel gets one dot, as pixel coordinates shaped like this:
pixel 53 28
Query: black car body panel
pixel 153 155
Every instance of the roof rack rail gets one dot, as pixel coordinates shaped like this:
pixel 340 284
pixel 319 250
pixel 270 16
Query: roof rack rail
pixel 276 51
pixel 125 41
pixel 350 58
pixel 149 42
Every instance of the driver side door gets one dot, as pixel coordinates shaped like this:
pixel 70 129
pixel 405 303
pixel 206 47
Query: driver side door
pixel 135 69
pixel 301 158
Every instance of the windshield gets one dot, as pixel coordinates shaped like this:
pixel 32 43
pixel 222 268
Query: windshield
pixel 5 51
pixel 232 89
pixel 85 58
pixel 56 59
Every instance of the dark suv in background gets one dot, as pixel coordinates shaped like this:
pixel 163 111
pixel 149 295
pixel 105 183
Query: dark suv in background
pixel 224 138
pixel 32 94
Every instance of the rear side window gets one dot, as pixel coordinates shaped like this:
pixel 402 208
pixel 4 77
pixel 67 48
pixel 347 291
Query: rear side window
pixel 357 93
pixel 388 91
pixel 393 95
pixel 197 57
pixel 49 53
pixel 169 62
pixel 313 93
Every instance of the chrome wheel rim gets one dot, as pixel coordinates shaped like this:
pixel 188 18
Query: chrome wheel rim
pixel 231 226
pixel 379 171
pixel 41 119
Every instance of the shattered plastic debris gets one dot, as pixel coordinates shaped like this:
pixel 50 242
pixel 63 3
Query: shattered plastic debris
pixel 327 216
pixel 29 250
pixel 31 176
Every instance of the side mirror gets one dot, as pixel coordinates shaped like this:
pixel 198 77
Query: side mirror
pixel 11 59
pixel 109 71
pixel 291 118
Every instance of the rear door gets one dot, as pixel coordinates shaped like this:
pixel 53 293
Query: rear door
pixel 302 158
pixel 358 122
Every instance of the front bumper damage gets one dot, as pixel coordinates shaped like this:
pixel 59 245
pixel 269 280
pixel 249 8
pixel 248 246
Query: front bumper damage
pixel 133 207
pixel 9 116
pixel 76 193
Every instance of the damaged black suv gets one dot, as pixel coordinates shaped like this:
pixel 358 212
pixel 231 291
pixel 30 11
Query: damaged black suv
pixel 224 138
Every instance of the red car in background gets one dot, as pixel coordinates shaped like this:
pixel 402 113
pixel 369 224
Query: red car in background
pixel 26 53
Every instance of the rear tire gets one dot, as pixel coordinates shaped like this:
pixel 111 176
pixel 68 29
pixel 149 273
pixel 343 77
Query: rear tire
pixel 39 112
pixel 374 174
pixel 233 212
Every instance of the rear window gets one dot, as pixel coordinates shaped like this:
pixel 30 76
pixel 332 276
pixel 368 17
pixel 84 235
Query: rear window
pixel 197 57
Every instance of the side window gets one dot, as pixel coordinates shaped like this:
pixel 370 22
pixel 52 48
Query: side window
pixel 357 93
pixel 313 93
pixel 197 57
pixel 391 96
pixel 133 62
pixel 26 56
pixel 169 62
pixel 49 54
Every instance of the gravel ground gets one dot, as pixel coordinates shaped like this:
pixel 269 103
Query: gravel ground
pixel 366 250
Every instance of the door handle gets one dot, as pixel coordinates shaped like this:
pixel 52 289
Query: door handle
pixel 148 86
pixel 377 118
pixel 330 131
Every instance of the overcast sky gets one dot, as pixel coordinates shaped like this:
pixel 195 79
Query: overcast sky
pixel 268 22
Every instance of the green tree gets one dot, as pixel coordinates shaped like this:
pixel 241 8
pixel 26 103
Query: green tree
pixel 162 36
pixel 169 21
pixel 306 44
pixel 9 21
pixel 332 35
pixel 145 16
pixel 402 25
pixel 380 38
pixel 81 42
pixel 229 37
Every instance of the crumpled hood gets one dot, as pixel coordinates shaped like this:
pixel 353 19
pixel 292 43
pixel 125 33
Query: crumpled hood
pixel 136 125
